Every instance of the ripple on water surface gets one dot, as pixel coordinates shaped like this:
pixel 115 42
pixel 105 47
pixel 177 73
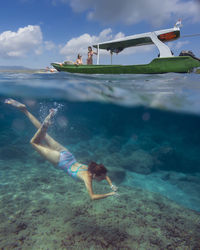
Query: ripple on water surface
pixel 174 92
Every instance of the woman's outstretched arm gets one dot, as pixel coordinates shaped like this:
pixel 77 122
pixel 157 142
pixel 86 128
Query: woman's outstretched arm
pixel 88 184
pixel 113 187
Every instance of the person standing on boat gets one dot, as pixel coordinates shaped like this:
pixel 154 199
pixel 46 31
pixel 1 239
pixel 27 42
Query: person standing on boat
pixel 61 157
pixel 79 60
pixel 90 55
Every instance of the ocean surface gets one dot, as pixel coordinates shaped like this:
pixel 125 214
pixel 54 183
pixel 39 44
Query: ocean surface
pixel 144 128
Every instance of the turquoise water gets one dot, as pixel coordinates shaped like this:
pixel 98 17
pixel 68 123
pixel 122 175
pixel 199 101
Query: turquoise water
pixel 147 126
pixel 144 129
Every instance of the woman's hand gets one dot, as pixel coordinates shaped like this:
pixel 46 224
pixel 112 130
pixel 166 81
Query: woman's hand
pixel 114 193
pixel 114 188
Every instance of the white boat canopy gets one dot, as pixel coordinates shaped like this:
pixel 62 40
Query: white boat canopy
pixel 156 37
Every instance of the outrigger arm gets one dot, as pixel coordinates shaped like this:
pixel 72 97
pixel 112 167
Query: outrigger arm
pixel 163 48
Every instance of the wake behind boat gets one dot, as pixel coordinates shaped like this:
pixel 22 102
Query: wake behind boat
pixel 165 63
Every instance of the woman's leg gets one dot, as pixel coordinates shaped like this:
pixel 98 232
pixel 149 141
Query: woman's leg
pixel 51 143
pixel 48 153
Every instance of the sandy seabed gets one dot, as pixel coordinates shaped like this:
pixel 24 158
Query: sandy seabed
pixel 41 208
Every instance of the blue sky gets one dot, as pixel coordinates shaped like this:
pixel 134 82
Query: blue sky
pixel 34 33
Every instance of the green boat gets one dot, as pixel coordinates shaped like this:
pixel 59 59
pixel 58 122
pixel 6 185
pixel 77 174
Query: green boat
pixel 165 63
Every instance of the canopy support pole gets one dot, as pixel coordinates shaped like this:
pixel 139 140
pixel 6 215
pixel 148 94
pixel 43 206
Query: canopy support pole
pixel 163 48
pixel 98 54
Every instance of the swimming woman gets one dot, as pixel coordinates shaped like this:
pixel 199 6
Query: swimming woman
pixel 61 157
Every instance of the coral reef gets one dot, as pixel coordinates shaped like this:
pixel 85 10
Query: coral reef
pixel 44 209
pixel 153 161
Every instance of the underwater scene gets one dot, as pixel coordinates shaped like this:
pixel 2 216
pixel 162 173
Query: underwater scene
pixel 145 129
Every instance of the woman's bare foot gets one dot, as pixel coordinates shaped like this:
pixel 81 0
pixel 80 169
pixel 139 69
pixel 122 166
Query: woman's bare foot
pixel 16 104
pixel 47 121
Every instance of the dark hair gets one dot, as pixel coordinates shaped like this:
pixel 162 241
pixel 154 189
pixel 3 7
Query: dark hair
pixel 97 169
pixel 90 47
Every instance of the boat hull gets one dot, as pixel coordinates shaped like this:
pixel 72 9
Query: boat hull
pixel 179 64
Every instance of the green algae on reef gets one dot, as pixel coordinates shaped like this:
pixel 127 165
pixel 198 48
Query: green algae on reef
pixel 45 209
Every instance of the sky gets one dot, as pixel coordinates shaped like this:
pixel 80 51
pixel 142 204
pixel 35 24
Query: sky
pixel 35 33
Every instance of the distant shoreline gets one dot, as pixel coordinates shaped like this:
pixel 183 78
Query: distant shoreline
pixel 30 71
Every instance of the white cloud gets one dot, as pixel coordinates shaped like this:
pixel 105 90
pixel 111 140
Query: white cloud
pixel 180 44
pixel 80 44
pixel 134 11
pixel 140 49
pixel 49 45
pixel 175 46
pixel 39 50
pixel 54 2
pixel 18 44
pixel 25 40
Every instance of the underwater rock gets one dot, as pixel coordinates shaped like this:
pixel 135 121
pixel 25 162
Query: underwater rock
pixel 166 158
pixel 83 133
pixel 115 144
pixel 175 159
pixel 13 152
pixel 82 155
pixel 139 161
pixel 112 160
pixel 190 178
pixel 21 226
pixel 39 211
pixel 114 148
pixel 127 149
pixel 117 175
pixel 101 155
pixel 146 142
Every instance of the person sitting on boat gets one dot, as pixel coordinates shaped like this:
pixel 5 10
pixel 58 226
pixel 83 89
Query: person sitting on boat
pixel 79 60
pixel 48 69
pixel 90 55
pixel 61 157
